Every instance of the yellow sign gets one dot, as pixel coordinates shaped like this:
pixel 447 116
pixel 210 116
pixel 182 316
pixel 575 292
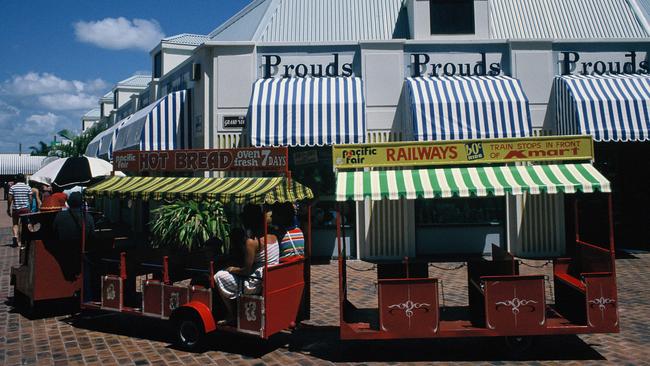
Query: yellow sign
pixel 392 154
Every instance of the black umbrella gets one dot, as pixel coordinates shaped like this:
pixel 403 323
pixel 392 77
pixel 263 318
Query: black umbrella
pixel 69 172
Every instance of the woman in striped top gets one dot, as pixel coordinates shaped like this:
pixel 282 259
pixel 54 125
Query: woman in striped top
pixel 247 279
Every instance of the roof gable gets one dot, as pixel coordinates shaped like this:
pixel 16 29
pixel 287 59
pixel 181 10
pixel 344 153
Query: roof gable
pixel 135 81
pixel 187 39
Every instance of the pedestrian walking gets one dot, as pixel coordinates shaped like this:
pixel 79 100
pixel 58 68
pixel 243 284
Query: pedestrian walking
pixel 20 195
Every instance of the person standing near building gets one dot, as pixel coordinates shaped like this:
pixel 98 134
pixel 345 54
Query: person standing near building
pixel 20 195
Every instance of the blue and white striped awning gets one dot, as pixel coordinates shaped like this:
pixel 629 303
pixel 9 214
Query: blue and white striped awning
pixel 102 145
pixel 468 107
pixel 307 112
pixel 162 125
pixel 92 150
pixel 608 107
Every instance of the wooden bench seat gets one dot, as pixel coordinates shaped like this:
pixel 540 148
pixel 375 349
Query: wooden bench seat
pixel 572 281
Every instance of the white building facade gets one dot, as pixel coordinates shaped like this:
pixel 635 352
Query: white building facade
pixel 366 55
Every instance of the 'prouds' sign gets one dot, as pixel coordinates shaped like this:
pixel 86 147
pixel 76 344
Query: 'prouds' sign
pixel 603 63
pixel 312 66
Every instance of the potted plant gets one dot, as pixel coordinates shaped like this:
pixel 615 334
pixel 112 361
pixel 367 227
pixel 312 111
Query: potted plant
pixel 188 225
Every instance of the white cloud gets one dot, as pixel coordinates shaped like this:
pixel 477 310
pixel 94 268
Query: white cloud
pixel 34 83
pixel 66 101
pixel 34 106
pixel 38 125
pixel 7 112
pixel 120 33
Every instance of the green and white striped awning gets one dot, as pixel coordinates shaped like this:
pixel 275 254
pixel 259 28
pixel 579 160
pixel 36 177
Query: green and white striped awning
pixel 239 190
pixel 469 182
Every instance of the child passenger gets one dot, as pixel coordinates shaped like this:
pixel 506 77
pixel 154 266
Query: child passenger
pixel 292 245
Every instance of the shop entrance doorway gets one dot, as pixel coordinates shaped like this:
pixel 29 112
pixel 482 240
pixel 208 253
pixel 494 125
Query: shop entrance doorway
pixel 627 166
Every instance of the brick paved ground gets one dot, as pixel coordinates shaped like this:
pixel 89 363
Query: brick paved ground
pixel 108 339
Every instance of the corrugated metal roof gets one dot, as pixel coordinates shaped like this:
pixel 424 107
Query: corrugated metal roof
pixel 93 113
pixel 645 4
pixel 564 19
pixel 12 164
pixel 187 39
pixel 333 20
pixel 644 7
pixel 242 26
pixel 138 81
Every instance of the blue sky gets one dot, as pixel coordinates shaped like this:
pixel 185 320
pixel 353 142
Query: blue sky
pixel 59 56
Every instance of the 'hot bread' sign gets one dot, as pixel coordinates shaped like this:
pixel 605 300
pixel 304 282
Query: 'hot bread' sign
pixel 263 159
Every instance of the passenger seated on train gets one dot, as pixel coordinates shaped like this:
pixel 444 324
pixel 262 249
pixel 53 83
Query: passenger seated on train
pixel 67 227
pixel 292 245
pixel 247 279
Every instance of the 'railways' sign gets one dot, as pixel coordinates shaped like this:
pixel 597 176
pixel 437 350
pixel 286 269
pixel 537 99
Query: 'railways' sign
pixel 261 159
pixel 463 152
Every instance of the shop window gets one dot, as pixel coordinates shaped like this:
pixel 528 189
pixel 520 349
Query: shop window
pixel 451 16
pixel 157 65
pixel 312 167
pixel 488 211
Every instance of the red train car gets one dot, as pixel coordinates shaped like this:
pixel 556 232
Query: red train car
pixel 501 301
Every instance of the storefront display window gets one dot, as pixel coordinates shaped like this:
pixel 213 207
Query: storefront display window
pixel 629 174
pixel 313 167
pixel 460 211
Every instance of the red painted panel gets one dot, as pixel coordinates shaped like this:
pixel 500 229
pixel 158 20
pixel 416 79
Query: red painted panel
pixel 173 298
pixel 409 307
pixel 249 314
pixel 515 304
pixel 152 297
pixel 202 295
pixel 112 293
pixel 49 281
pixel 285 275
pixel 602 301
pixel 283 308
pixel 286 286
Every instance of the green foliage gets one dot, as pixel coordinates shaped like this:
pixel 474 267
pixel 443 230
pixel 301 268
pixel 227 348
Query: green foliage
pixel 188 224
pixel 77 145
pixel 42 149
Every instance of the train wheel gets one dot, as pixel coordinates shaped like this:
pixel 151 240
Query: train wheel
pixel 518 345
pixel 190 332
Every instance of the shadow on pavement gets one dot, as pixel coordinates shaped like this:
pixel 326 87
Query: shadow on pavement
pixel 120 324
pixel 43 309
pixel 323 343
pixel 161 331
